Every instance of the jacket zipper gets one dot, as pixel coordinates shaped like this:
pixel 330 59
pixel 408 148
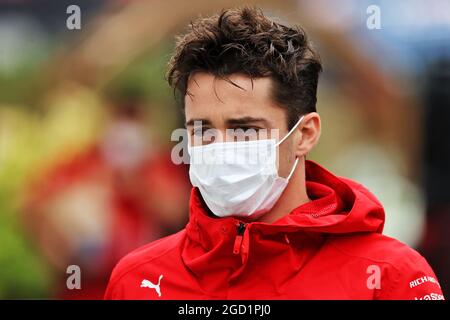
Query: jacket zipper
pixel 239 237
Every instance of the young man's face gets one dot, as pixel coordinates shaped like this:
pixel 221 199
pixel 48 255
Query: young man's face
pixel 220 105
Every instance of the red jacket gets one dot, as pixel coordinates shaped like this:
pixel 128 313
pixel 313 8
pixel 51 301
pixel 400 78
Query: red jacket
pixel 328 248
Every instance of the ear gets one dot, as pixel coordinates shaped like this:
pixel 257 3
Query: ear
pixel 309 130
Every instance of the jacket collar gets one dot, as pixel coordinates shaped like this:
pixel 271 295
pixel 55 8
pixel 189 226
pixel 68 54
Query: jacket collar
pixel 337 206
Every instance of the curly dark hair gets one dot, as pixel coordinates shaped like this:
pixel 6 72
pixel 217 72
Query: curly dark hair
pixel 244 40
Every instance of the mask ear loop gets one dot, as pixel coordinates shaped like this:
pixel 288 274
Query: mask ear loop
pixel 290 131
pixel 285 137
pixel 292 170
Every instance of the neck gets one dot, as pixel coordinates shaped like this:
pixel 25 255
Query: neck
pixel 293 196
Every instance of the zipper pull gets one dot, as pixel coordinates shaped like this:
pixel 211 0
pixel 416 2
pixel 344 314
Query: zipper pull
pixel 239 237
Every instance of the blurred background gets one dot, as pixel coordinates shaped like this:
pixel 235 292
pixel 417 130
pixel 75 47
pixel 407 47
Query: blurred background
pixel 86 119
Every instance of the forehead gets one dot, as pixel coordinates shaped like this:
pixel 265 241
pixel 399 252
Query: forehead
pixel 211 96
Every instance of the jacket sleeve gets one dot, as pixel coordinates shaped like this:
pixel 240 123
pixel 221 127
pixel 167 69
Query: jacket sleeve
pixel 112 292
pixel 413 279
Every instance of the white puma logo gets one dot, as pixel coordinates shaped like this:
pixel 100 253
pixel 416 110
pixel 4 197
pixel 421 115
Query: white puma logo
pixel 148 284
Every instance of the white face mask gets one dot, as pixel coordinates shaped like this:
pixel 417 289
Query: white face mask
pixel 239 178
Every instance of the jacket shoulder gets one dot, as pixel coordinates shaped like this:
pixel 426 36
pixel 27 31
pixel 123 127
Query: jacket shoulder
pixel 406 273
pixel 377 248
pixel 156 250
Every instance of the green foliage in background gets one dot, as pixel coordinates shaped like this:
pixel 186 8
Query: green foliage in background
pixel 23 274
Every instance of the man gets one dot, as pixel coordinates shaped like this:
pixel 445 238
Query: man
pixel 280 227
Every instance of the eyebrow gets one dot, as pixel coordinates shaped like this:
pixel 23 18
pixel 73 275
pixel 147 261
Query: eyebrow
pixel 234 121
pixel 192 121
pixel 247 120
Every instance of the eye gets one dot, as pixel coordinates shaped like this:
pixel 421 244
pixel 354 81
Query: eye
pixel 246 133
pixel 245 128
pixel 199 131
